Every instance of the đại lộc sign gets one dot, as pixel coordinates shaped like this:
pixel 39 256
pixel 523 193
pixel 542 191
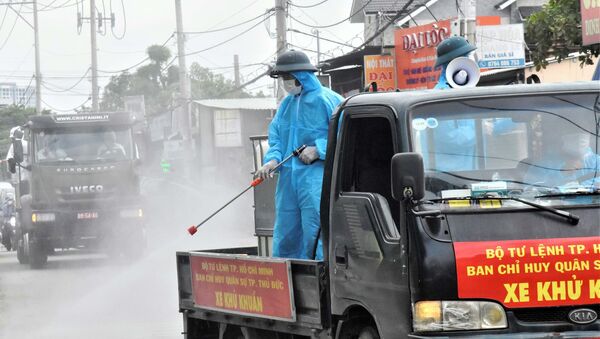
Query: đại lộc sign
pixel 530 273
pixel 416 53
pixel 241 285
pixel 380 69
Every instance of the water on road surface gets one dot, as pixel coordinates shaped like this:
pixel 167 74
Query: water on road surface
pixel 89 295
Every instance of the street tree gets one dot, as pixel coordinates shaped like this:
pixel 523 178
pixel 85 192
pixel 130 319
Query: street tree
pixel 158 82
pixel 556 31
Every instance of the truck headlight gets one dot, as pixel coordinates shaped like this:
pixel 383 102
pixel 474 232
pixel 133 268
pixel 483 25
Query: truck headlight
pixel 457 315
pixel 42 217
pixel 132 213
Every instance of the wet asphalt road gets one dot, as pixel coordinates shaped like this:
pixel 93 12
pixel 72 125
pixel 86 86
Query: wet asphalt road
pixel 89 295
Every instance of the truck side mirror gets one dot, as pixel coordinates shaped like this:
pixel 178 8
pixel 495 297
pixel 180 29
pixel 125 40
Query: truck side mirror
pixel 17 145
pixel 408 176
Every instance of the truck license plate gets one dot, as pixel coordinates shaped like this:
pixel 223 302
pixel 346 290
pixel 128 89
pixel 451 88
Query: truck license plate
pixel 87 215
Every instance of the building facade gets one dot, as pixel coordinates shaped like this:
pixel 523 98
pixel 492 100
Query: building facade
pixel 12 94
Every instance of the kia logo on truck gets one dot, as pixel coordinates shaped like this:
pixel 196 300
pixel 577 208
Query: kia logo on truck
pixel 87 189
pixel 583 316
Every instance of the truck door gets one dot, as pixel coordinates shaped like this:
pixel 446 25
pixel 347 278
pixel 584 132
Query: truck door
pixel 367 269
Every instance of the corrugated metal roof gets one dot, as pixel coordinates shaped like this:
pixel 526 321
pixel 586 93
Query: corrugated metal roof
pixel 240 103
pixel 375 6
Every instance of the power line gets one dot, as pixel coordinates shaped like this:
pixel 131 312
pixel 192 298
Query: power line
pixel 4 17
pixel 232 26
pixel 384 27
pixel 23 60
pixel 12 28
pixel 112 29
pixel 71 87
pixel 311 50
pixel 336 23
pixel 234 14
pixel 232 38
pixel 66 110
pixel 49 7
pixel 26 90
pixel 307 6
pixel 321 38
pixel 140 62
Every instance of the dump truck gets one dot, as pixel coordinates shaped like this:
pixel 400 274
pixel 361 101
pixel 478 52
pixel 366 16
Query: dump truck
pixel 462 213
pixel 78 186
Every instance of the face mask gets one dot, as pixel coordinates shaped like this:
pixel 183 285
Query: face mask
pixel 291 88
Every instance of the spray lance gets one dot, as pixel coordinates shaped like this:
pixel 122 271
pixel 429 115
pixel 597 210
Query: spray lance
pixel 194 228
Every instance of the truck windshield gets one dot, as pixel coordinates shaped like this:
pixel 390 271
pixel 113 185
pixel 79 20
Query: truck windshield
pixel 519 146
pixel 83 146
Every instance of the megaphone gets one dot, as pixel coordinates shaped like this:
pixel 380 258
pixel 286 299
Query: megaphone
pixel 462 72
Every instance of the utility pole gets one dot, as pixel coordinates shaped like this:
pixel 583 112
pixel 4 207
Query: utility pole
pixel 184 118
pixel 236 69
pixel 280 17
pixel 95 105
pixel 38 74
pixel 468 16
pixel 316 33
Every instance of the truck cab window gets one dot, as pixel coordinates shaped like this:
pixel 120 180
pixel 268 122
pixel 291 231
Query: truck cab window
pixel 82 146
pixel 366 164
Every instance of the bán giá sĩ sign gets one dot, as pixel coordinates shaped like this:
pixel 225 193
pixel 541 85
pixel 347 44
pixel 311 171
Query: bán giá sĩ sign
pixel 241 285
pixel 530 273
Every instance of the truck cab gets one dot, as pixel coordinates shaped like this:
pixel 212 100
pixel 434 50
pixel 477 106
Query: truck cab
pixel 458 213
pixel 82 186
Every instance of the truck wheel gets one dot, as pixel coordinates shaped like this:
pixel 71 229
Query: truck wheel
pixel 358 329
pixel 6 240
pixel 38 256
pixel 21 255
pixel 368 332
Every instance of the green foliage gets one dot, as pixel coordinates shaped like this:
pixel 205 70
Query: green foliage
pixel 556 31
pixel 155 81
pixel 159 84
pixel 10 117
pixel 206 85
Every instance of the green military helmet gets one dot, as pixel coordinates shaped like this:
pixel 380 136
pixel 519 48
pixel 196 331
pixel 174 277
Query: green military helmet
pixel 291 61
pixel 452 48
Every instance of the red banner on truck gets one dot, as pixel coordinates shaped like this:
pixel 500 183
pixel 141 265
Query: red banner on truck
pixel 530 273
pixel 241 285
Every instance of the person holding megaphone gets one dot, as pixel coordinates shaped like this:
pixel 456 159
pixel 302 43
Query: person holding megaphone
pixel 455 138
pixel 457 58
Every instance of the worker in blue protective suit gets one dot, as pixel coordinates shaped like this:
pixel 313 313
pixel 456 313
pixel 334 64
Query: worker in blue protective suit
pixel 302 119
pixel 454 139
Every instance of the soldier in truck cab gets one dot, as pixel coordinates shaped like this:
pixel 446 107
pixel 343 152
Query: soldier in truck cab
pixel 111 148
pixel 568 161
pixel 50 148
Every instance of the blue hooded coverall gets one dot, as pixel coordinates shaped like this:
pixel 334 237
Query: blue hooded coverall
pixel 300 120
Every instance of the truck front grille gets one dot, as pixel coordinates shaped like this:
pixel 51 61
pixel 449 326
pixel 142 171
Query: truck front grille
pixel 549 314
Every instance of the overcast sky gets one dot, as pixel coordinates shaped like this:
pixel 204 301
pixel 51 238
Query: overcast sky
pixel 65 54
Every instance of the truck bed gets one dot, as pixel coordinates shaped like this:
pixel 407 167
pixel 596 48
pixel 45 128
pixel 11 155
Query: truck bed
pixel 306 283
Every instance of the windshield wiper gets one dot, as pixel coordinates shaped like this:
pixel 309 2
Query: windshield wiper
pixel 572 218
pixel 569 194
